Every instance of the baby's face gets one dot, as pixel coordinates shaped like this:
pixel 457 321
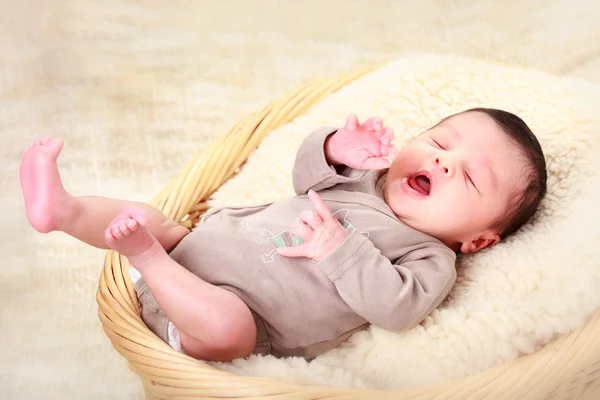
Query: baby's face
pixel 455 180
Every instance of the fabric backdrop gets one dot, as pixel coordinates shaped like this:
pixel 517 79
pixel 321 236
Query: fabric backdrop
pixel 135 88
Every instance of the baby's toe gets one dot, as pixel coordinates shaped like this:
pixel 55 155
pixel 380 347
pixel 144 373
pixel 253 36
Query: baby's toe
pixel 108 236
pixel 140 216
pixel 131 224
pixel 116 232
pixel 124 229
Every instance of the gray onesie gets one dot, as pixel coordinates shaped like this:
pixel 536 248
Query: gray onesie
pixel 385 273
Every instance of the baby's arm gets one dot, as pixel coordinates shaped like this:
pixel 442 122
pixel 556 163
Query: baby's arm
pixel 330 156
pixel 313 171
pixel 391 296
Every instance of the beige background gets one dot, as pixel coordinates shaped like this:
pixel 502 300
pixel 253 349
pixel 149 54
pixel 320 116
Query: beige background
pixel 136 88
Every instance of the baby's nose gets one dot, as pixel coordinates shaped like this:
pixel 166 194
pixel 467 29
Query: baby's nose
pixel 443 166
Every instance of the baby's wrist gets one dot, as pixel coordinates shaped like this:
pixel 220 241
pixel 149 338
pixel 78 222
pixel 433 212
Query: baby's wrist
pixel 330 153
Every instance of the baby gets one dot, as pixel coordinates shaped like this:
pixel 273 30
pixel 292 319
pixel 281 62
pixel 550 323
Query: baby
pixel 366 241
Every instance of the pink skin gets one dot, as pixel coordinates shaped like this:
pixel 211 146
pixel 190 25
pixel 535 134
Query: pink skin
pixel 456 211
pixel 127 234
pixel 361 146
pixel 42 188
pixel 51 208
pixel 321 232
pixel 214 323
pixel 471 166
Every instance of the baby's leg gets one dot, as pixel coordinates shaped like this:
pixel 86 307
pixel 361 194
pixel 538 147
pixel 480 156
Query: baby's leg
pixel 50 208
pixel 214 324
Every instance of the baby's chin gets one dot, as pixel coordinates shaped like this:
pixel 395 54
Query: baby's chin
pixel 403 199
pixel 415 218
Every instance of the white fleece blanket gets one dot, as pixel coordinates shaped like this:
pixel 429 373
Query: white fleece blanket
pixel 508 301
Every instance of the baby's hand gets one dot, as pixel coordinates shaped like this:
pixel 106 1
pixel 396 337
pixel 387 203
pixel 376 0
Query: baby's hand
pixel 361 146
pixel 321 231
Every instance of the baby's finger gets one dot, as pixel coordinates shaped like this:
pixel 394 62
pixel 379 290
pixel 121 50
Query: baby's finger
pixel 296 251
pixel 311 219
pixel 302 231
pixel 387 135
pixel 351 122
pixel 392 152
pixel 376 163
pixel 320 207
pixel 373 124
pixel 385 150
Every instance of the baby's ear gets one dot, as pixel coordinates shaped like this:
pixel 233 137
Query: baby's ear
pixel 486 239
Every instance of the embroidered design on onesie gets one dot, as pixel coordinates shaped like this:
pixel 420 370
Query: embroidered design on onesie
pixel 287 239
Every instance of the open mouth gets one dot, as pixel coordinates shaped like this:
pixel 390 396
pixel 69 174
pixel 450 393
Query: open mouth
pixel 420 182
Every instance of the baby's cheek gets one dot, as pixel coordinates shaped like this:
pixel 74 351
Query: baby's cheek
pixel 407 160
pixel 458 214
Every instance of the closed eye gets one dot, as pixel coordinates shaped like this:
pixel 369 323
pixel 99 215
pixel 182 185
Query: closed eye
pixel 437 144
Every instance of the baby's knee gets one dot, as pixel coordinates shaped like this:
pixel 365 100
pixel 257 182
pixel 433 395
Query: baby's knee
pixel 241 339
pixel 237 343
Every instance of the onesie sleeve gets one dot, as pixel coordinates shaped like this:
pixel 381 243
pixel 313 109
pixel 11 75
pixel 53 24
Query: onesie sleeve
pixel 392 296
pixel 311 170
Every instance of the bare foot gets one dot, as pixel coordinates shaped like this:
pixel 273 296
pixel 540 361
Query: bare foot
pixel 127 234
pixel 46 201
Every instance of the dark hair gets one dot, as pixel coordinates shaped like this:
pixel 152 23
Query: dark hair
pixel 526 202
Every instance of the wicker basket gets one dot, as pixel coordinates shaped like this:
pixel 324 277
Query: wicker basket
pixel 568 368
